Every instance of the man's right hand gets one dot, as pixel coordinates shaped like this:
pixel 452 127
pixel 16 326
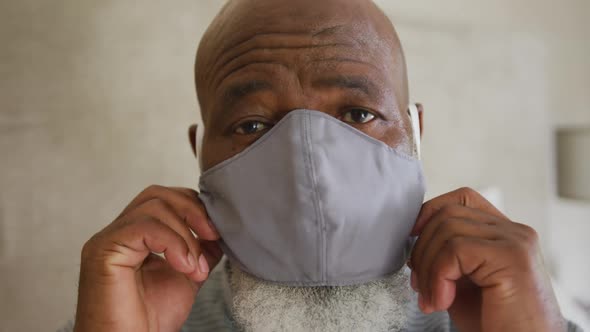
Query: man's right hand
pixel 124 286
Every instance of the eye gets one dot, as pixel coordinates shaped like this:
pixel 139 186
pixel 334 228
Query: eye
pixel 358 116
pixel 251 127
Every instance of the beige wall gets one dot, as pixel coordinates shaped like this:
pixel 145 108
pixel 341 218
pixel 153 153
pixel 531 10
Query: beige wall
pixel 96 97
pixel 562 26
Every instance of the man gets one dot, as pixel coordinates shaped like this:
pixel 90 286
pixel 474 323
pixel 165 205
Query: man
pixel 472 268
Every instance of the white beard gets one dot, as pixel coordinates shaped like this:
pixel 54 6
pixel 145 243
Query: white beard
pixel 257 305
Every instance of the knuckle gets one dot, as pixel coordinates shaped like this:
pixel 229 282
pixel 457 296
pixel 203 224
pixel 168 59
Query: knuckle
pixel 524 245
pixel 529 232
pixel 95 240
pixel 88 248
pixel 152 189
pixel 467 190
pixel 94 247
pixel 530 237
pixel 469 194
pixel 191 192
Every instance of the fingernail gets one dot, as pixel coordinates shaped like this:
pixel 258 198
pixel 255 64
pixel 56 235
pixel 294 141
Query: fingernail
pixel 414 281
pixel 423 305
pixel 427 306
pixel 203 265
pixel 190 260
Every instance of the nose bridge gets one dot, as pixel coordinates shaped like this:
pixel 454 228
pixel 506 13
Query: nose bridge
pixel 297 91
pixel 300 99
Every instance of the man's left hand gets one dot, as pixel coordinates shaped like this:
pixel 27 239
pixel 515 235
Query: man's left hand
pixel 485 269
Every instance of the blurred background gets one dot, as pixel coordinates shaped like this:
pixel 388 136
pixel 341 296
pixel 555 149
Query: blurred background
pixel 96 98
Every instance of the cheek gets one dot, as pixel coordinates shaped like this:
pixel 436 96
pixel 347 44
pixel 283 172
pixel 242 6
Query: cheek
pixel 215 151
pixel 396 135
pixel 212 153
pixel 206 158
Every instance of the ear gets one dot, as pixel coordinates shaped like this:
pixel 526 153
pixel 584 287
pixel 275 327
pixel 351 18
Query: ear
pixel 192 136
pixel 420 116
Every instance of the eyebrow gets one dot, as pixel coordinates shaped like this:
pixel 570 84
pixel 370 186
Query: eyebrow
pixel 359 83
pixel 235 92
pixel 238 91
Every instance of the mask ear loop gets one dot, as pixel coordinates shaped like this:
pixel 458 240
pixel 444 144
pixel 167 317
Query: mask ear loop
pixel 415 118
pixel 198 148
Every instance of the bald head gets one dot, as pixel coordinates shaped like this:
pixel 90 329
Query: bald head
pixel 359 22
pixel 260 59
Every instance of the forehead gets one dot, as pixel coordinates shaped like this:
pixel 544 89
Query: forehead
pixel 304 54
pixel 329 41
pixel 251 40
pixel 242 19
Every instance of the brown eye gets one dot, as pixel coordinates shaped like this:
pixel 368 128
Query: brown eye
pixel 251 127
pixel 358 116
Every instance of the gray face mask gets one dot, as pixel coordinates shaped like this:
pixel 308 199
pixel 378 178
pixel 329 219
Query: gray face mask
pixel 315 202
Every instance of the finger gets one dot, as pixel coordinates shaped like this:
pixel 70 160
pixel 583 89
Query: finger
pixel 446 232
pixel 212 252
pixel 148 193
pixel 444 214
pixel 163 212
pixel 211 255
pixel 462 256
pixel 185 203
pixel 444 294
pixel 208 227
pixel 465 196
pixel 133 242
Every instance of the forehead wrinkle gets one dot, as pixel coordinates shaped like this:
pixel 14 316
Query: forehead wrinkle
pixel 235 55
pixel 242 60
pixel 329 30
pixel 235 49
pixel 269 41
